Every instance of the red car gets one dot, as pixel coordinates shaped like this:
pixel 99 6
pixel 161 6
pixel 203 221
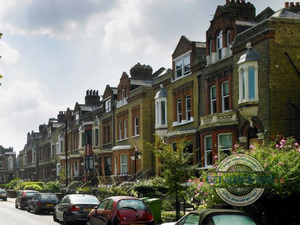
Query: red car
pixel 121 210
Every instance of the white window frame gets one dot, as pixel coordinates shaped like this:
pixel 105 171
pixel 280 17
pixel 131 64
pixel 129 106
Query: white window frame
pixel 213 99
pixel 179 110
pixel 160 113
pixel 116 165
pixel 244 81
pixel 125 129
pixel 120 130
pixel 136 126
pixel 219 45
pixel 219 143
pixel 108 105
pixel 206 151
pixel 188 109
pixel 184 68
pixel 123 164
pixel 225 96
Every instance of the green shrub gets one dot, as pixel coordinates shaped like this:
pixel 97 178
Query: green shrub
pixel 52 186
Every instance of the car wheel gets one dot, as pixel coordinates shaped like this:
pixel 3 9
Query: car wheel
pixel 35 210
pixel 22 207
pixel 16 205
pixel 28 209
pixel 65 220
pixel 54 217
pixel 5 199
pixel 88 222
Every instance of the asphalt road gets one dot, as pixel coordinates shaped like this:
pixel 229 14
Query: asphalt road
pixel 9 215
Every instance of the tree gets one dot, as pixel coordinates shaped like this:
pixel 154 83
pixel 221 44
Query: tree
pixel 173 163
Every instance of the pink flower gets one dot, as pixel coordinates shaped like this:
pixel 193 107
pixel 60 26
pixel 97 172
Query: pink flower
pixel 252 146
pixel 215 157
pixel 281 146
pixel 205 194
pixel 296 144
pixel 280 163
pixel 266 164
pixel 276 146
pixel 299 150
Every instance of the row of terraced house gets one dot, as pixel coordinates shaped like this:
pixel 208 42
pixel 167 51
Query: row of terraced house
pixel 240 85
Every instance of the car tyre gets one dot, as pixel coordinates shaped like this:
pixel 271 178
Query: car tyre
pixel 88 222
pixel 16 205
pixel 54 217
pixel 28 209
pixel 21 207
pixel 35 210
pixel 65 220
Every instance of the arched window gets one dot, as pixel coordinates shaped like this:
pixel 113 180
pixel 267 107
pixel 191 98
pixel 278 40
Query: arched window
pixel 161 108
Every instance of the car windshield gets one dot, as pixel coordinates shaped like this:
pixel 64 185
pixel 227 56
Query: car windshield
pixel 2 191
pixel 49 197
pixel 232 220
pixel 85 199
pixel 131 203
pixel 29 194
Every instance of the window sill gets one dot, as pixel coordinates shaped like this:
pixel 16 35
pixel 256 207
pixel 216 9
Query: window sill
pixel 183 122
pixel 183 76
pixel 136 136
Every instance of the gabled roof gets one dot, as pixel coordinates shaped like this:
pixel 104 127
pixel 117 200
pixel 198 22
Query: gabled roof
pixel 286 13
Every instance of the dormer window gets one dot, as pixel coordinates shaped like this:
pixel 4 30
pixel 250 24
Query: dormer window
pixel 108 105
pixel 182 66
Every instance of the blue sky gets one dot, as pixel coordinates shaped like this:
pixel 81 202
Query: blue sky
pixel 54 50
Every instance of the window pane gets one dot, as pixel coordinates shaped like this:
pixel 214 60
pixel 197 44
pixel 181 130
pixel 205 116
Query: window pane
pixel 208 151
pixel 225 143
pixel 251 82
pixel 178 68
pixel 186 63
pixel 243 84
pixel 179 113
pixel 163 112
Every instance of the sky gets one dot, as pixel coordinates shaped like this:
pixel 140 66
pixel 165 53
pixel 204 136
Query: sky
pixel 53 51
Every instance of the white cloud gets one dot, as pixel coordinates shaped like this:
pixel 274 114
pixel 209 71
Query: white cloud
pixel 8 54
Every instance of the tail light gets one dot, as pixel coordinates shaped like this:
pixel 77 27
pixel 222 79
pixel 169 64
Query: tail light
pixel 149 216
pixel 75 208
pixel 38 204
pixel 121 215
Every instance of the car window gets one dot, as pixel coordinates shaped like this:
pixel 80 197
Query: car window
pixel 49 197
pixel 84 199
pixel 232 220
pixel 190 219
pixel 131 203
pixel 109 204
pixel 103 204
pixel 29 194
pixel 65 199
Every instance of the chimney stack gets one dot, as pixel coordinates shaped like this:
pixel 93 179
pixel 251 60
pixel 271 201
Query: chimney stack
pixel 286 5
pixel 291 4
pixel 227 2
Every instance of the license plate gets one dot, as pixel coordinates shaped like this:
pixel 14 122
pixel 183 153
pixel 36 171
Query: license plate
pixel 49 204
pixel 87 209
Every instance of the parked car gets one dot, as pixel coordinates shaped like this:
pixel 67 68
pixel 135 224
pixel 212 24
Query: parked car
pixel 42 202
pixel 74 208
pixel 23 197
pixel 214 217
pixel 121 210
pixel 3 194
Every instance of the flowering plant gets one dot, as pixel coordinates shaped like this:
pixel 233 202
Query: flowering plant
pixel 280 160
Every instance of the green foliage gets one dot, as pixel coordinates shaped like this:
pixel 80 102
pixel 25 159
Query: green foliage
pixel 151 188
pixel 84 190
pixel 13 183
pixel 106 191
pixel 32 186
pixel 52 186
pixel 280 160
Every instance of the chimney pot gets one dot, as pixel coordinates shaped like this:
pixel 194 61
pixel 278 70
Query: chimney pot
pixel 286 5
pixel 297 4
pixel 291 4
pixel 227 1
pixel 243 1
